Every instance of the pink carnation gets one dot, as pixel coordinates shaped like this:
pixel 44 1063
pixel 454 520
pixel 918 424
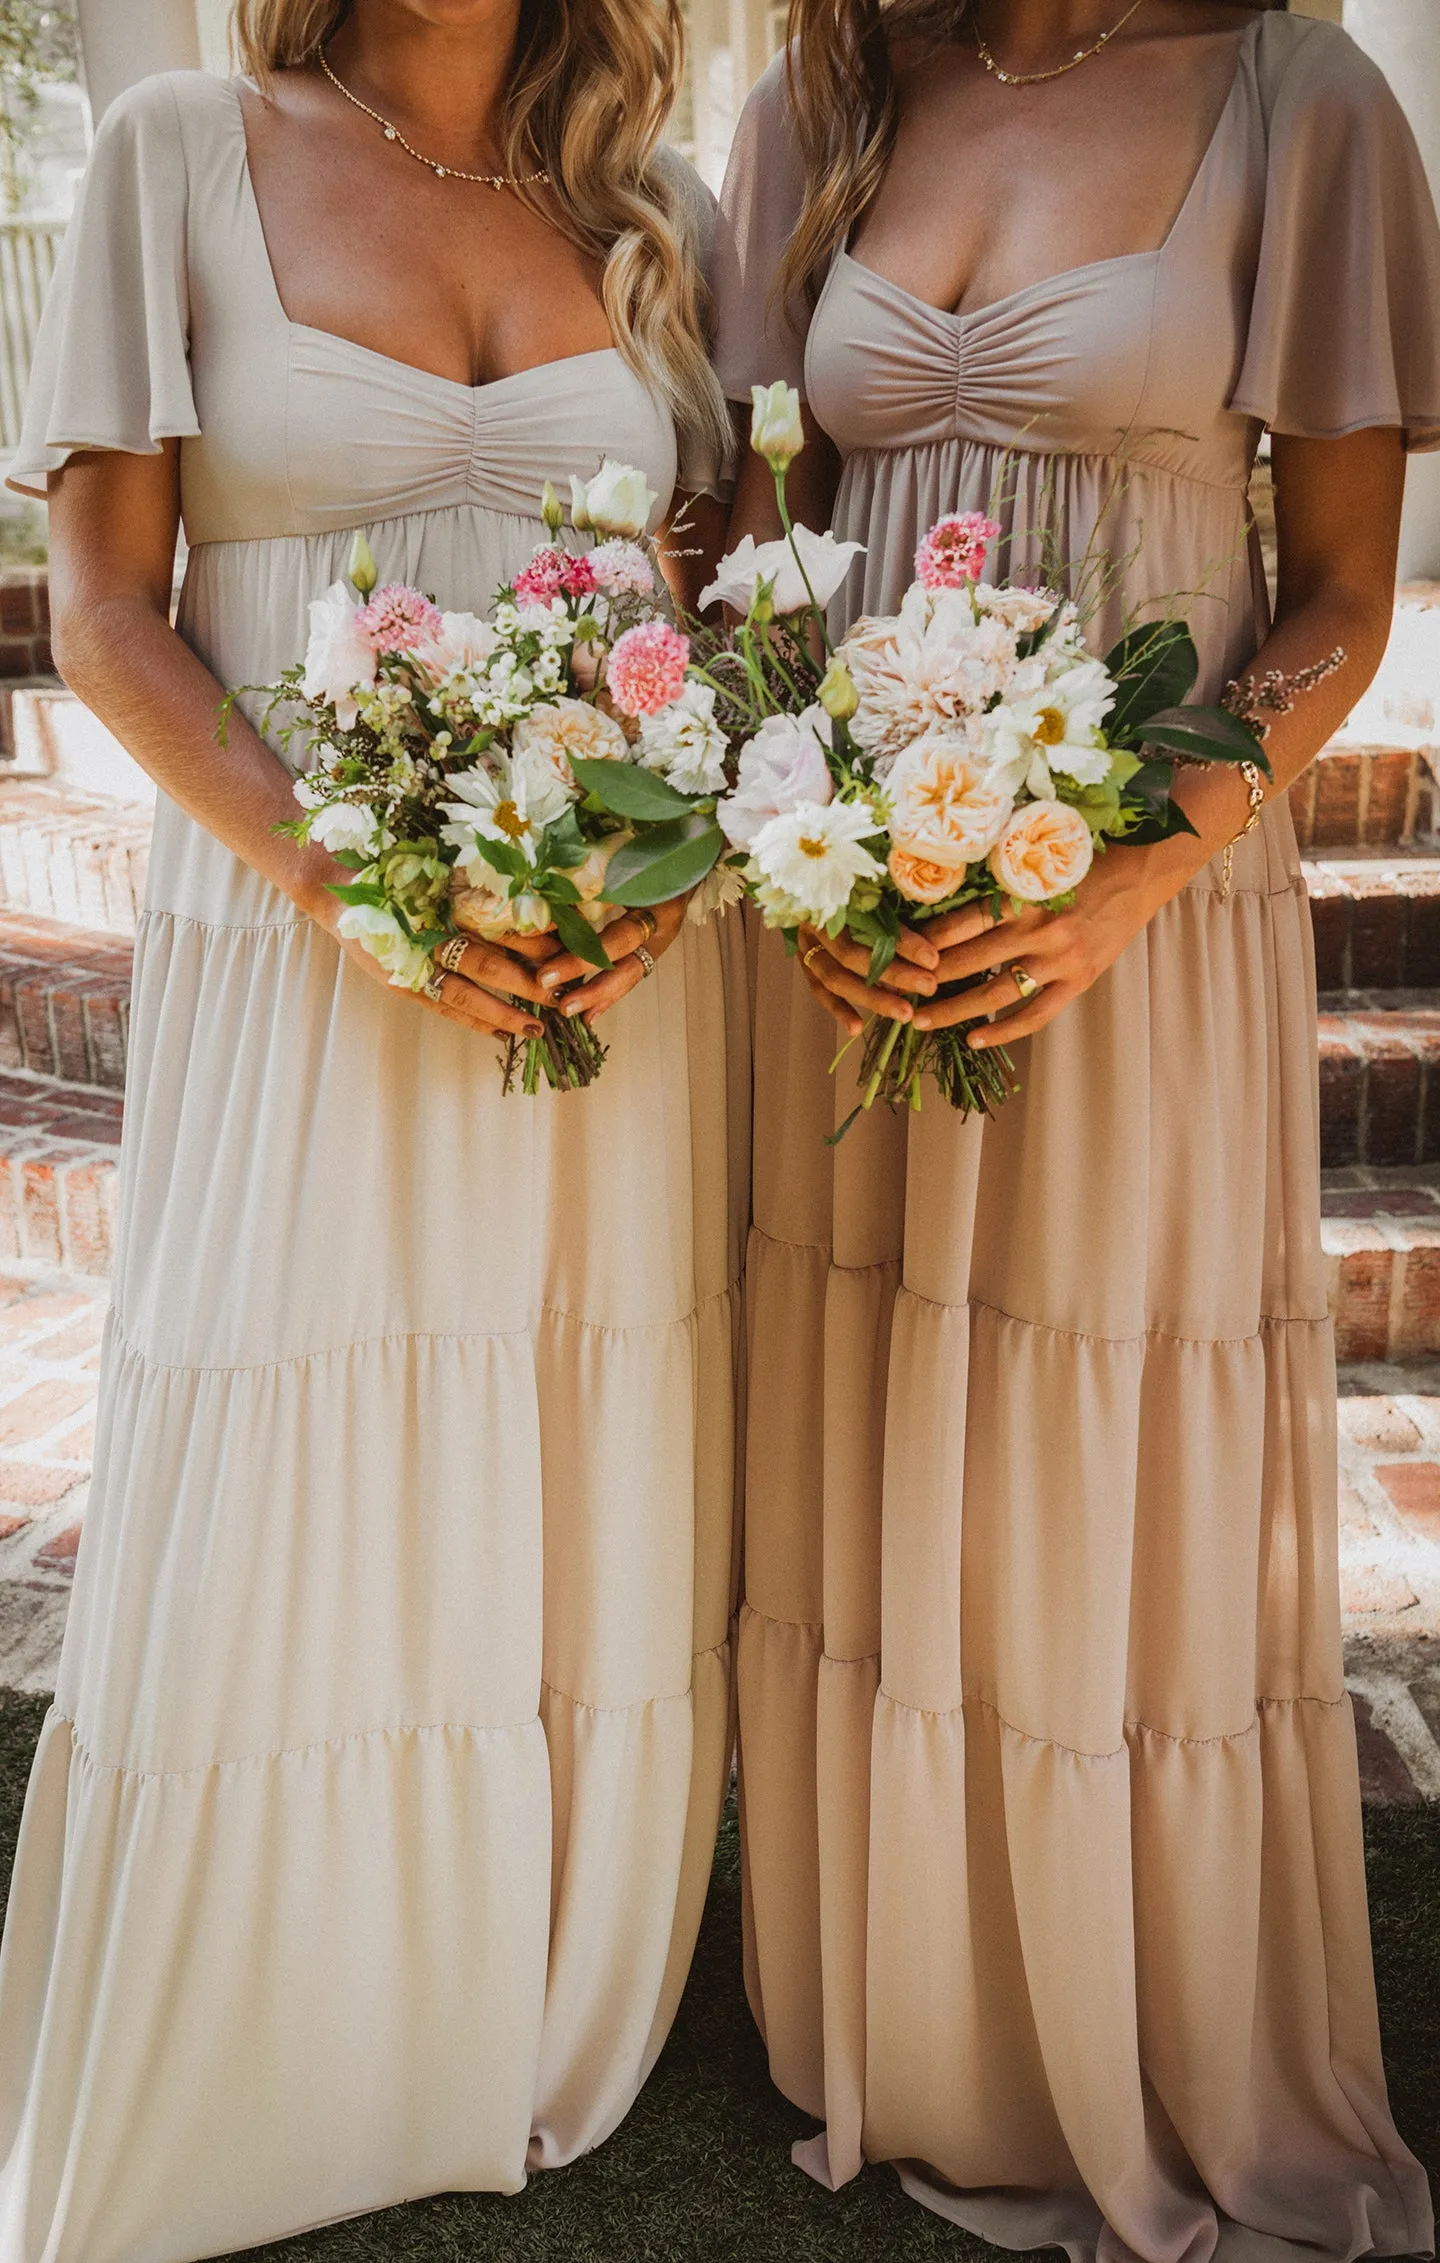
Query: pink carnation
pixel 621 569
pixel 398 617
pixel 953 552
pixel 551 574
pixel 647 668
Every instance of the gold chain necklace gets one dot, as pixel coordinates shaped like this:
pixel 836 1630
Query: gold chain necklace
pixel 496 181
pixel 1036 78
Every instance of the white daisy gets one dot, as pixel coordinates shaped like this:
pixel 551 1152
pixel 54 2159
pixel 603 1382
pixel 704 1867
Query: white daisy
pixel 814 855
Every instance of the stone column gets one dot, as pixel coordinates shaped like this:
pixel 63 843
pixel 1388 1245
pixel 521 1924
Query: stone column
pixel 1404 38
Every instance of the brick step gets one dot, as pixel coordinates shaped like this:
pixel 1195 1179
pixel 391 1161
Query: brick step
pixel 1376 915
pixel 1376 796
pixel 59 1156
pixel 64 1001
pixel 1380 1231
pixel 1379 1088
pixel 72 857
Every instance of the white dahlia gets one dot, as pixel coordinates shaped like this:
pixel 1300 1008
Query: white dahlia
pixel 932 664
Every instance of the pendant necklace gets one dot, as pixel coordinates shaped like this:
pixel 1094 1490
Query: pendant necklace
pixel 1037 78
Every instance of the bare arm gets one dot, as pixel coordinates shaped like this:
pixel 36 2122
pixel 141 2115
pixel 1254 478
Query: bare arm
pixel 1338 518
pixel 113 524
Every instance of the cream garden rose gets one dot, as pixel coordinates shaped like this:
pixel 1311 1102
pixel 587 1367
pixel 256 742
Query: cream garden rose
pixel 1045 851
pixel 947 806
pixel 920 881
pixel 551 734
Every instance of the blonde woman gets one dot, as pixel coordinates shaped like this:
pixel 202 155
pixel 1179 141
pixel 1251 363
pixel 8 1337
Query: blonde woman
pixel 1052 1819
pixel 368 1837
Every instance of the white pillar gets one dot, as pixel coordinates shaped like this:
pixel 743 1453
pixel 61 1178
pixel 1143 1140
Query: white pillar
pixel 1404 38
pixel 124 43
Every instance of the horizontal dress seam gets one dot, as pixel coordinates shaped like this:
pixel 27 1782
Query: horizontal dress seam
pixel 340 1742
pixel 358 526
pixel 1044 1327
pixel 880 453
pixel 132 1350
pixel 299 925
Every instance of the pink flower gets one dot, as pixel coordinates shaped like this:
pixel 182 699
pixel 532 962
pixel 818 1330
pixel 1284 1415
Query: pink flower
pixel 953 552
pixel 647 668
pixel 621 569
pixel 398 617
pixel 553 573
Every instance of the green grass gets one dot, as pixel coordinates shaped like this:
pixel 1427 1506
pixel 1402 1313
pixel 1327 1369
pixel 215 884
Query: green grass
pixel 700 2172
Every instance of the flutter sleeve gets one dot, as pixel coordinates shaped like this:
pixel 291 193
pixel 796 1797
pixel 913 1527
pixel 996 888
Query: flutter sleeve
pixel 1345 321
pixel 758 340
pixel 110 367
pixel 703 467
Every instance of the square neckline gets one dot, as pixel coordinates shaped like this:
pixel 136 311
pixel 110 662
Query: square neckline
pixel 338 337
pixel 1067 275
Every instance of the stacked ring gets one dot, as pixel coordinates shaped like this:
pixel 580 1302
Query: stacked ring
pixel 814 952
pixel 435 987
pixel 645 960
pixel 451 952
pixel 649 924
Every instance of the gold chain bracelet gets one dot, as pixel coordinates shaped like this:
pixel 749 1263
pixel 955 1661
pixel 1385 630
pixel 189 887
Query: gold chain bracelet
pixel 1249 771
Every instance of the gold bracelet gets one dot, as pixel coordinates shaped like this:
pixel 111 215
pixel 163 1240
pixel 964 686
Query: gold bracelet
pixel 1250 772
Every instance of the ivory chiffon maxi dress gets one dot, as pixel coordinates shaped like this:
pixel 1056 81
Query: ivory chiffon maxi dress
pixel 1052 1825
pixel 368 1836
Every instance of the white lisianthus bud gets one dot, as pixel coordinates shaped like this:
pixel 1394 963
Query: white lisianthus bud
pixel 579 506
pixel 551 510
pixel 364 573
pixel 618 500
pixel 837 693
pixel 776 432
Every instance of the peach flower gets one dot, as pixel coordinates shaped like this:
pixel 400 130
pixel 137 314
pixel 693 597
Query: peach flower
pixel 920 880
pixel 1044 851
pixel 946 805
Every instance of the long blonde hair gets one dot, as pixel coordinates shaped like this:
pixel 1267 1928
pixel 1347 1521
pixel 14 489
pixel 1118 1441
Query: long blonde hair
pixel 846 111
pixel 593 85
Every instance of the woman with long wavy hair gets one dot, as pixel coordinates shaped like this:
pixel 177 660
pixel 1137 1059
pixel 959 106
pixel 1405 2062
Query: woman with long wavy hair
pixel 1049 1780
pixel 368 1836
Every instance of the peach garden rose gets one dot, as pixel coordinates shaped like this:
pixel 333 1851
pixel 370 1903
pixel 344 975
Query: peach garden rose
pixel 1045 851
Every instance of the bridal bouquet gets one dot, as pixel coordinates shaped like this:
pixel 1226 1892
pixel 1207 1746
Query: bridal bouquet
pixel 538 769
pixel 968 749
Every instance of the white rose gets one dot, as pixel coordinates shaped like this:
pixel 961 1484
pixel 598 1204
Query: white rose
pixel 380 933
pixel 946 806
pixel 776 432
pixel 342 826
pixel 781 767
pixel 1044 851
pixel 492 914
pixel 464 645
pixel 685 743
pixel 751 564
pixel 618 500
pixel 339 658
pixel 545 741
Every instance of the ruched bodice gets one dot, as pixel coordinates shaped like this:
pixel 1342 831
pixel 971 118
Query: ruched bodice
pixel 381 1625
pixel 1052 1831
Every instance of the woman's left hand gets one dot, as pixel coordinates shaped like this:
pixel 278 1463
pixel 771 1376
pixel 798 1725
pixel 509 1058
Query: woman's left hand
pixel 596 991
pixel 1064 952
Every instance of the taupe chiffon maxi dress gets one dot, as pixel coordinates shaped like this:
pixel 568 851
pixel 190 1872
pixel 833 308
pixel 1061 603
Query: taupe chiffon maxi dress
pixel 369 1835
pixel 1050 1796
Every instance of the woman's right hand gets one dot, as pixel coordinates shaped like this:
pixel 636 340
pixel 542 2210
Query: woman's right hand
pixel 836 970
pixel 478 994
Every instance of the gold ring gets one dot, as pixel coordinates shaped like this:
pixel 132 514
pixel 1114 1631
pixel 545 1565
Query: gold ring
pixel 451 952
pixel 645 960
pixel 813 952
pixel 1025 983
pixel 649 925
pixel 435 988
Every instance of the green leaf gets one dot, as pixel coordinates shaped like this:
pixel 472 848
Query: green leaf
pixel 1206 734
pixel 503 858
pixel 563 845
pixel 579 937
pixel 666 861
pixel 625 790
pixel 358 892
pixel 1154 667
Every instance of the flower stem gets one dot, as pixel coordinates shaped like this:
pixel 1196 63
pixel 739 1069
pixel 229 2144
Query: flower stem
pixel 795 554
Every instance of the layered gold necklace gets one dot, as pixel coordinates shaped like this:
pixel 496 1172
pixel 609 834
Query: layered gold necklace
pixel 1037 78
pixel 496 181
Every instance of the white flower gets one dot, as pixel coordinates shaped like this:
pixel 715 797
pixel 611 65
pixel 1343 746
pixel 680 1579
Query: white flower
pixel 342 825
pixel 1056 727
pixel 722 886
pixel 781 767
pixel 464 645
pixel 339 658
pixel 380 933
pixel 501 800
pixel 685 743
pixel 776 432
pixel 1023 610
pixel 945 804
pixel 750 565
pixel 488 911
pixel 1046 850
pixel 618 500
pixel 931 664
pixel 551 733
pixel 815 854
pixel 621 569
